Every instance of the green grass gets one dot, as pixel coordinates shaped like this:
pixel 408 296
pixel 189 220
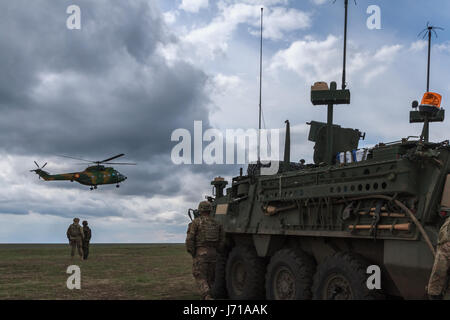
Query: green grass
pixel 113 271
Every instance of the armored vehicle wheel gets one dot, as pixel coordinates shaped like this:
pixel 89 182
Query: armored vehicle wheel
pixel 219 289
pixel 343 276
pixel 245 274
pixel 289 276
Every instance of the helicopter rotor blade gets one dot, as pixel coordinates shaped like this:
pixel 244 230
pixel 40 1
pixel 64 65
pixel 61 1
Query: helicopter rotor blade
pixel 36 164
pixel 77 159
pixel 121 163
pixel 44 165
pixel 112 158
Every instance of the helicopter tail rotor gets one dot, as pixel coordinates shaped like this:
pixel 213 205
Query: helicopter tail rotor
pixel 39 170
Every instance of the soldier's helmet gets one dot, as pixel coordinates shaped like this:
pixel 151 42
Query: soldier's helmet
pixel 85 223
pixel 204 206
pixel 76 220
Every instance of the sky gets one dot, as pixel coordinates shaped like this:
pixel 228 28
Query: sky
pixel 138 70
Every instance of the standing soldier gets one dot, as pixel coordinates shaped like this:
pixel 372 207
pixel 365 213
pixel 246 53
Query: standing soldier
pixel 75 236
pixel 204 237
pixel 87 237
pixel 439 276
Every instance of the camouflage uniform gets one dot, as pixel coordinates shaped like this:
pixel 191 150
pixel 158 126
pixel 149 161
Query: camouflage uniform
pixel 86 239
pixel 75 236
pixel 204 238
pixel 439 276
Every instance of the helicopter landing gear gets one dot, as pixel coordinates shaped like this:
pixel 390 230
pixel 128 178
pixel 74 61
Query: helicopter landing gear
pixel 117 185
pixel 95 187
pixel 91 188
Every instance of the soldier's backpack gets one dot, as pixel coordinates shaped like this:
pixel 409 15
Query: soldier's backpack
pixel 211 230
pixel 74 231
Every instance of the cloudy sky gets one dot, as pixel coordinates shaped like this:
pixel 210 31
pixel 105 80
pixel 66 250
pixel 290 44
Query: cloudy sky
pixel 139 69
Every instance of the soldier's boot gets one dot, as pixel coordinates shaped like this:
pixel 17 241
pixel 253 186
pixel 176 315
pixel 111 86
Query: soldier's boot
pixel 208 297
pixel 433 297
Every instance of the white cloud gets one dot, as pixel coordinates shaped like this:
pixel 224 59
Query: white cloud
pixel 387 53
pixel 443 47
pixel 311 59
pixel 170 17
pixel 170 52
pixel 264 2
pixel 423 44
pixel 314 59
pixel 418 45
pixel 381 61
pixel 319 2
pixel 193 6
pixel 213 39
pixel 281 20
pixel 222 84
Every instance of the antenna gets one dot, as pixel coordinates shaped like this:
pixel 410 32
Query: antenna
pixel 260 88
pixel 429 31
pixel 344 84
pixel 427 113
pixel 321 94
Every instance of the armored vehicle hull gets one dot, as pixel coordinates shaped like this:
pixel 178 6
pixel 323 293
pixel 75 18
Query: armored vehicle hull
pixel 313 231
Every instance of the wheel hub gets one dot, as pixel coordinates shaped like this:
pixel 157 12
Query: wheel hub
pixel 338 288
pixel 284 284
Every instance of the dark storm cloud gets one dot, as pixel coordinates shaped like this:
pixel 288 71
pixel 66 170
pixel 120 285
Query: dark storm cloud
pixel 97 91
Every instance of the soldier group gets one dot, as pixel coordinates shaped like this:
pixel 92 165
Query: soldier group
pixel 79 238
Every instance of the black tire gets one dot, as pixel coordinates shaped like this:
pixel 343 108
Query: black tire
pixel 245 274
pixel 343 276
pixel 219 289
pixel 290 276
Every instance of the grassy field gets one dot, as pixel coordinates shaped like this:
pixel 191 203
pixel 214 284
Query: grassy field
pixel 113 271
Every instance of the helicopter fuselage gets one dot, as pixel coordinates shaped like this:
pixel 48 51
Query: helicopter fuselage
pixel 91 176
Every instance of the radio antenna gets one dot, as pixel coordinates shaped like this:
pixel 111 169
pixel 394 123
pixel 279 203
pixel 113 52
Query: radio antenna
pixel 429 31
pixel 344 84
pixel 260 88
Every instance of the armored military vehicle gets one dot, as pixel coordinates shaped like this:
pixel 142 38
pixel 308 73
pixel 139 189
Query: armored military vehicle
pixel 312 230
pixel 320 230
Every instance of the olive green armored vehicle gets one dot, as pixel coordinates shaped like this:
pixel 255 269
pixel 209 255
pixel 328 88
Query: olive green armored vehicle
pixel 313 230
pixel 325 230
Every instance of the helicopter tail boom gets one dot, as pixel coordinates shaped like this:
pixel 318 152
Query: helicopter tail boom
pixel 52 177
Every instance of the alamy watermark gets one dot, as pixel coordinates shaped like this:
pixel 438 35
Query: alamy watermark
pixel 73 21
pixel 231 146
pixel 374 21
pixel 74 280
pixel 374 280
